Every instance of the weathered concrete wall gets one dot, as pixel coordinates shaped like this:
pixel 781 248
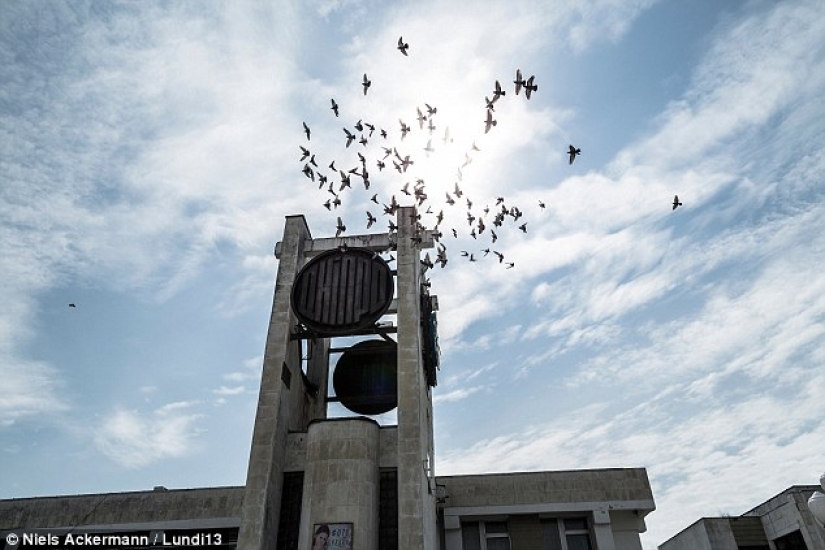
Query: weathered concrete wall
pixel 626 526
pixel 525 532
pixel 281 402
pixel 341 479
pixel 121 508
pixel 417 525
pixel 787 512
pixel 614 484
pixel 695 537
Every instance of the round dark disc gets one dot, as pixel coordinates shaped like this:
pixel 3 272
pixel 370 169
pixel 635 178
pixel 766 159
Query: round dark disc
pixel 365 378
pixel 342 291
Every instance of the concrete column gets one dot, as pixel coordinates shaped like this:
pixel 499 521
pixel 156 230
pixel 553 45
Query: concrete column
pixel 276 412
pixel 416 506
pixel 318 375
pixel 602 529
pixel 341 479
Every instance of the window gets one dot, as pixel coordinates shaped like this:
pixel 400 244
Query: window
pixel 290 517
pixel 388 509
pixel 566 534
pixel 576 534
pixel 485 535
pixel 496 535
pixel 791 541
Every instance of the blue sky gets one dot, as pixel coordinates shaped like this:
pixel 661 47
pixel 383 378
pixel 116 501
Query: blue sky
pixel 149 153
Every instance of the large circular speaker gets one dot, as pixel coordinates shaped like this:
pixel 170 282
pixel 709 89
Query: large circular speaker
pixel 366 377
pixel 342 291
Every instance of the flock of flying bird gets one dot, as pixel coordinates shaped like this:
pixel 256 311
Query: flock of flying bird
pixel 338 179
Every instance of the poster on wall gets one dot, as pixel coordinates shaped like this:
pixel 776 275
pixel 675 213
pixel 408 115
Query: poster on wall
pixel 332 536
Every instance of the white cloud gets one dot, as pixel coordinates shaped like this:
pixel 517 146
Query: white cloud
pixel 135 440
pixel 455 395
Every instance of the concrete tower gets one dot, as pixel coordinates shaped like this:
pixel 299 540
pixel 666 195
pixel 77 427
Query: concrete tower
pixel 309 474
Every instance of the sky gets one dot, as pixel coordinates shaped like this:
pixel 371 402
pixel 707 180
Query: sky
pixel 150 152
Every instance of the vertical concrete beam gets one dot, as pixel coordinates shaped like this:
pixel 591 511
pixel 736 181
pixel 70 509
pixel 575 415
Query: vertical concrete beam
pixel 318 375
pixel 416 506
pixel 264 480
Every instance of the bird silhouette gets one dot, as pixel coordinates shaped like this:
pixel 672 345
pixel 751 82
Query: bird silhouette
pixel 306 130
pixel 431 110
pixel 573 151
pixel 370 219
pixel 340 228
pixel 402 46
pixel 519 82
pixel 489 123
pixel 498 92
pixel 366 83
pixel 72 305
pixel 421 118
pixel 334 107
pixel 676 203
pixel 529 87
pixel 350 137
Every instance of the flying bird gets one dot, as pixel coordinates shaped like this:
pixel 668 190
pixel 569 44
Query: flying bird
pixel 573 151
pixel 489 123
pixel 334 107
pixel 529 87
pixel 366 83
pixel 404 129
pixel 350 137
pixel 431 110
pixel 304 152
pixel 72 305
pixel 498 92
pixel 403 46
pixel 676 203
pixel 421 118
pixel 519 81
pixel 370 219
pixel 306 130
pixel 340 228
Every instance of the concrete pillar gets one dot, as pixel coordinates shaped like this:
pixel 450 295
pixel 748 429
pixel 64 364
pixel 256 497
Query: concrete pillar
pixel 318 376
pixel 416 505
pixel 602 529
pixel 341 479
pixel 276 412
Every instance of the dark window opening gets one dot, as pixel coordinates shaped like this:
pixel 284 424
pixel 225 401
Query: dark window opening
pixel 290 517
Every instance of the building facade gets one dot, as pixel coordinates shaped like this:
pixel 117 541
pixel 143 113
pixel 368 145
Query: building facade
pixel 783 522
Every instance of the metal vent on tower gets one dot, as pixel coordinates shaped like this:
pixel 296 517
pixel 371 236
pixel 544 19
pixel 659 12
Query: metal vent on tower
pixel 342 291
